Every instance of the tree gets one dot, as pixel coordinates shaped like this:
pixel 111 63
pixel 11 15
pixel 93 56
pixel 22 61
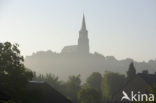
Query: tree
pixel 89 95
pixel 94 81
pixel 131 73
pixel 52 80
pixel 13 74
pixel 73 86
pixel 111 84
pixel 49 78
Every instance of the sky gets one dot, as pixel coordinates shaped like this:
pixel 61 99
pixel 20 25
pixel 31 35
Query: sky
pixel 120 28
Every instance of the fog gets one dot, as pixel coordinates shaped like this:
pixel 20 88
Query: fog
pixel 64 65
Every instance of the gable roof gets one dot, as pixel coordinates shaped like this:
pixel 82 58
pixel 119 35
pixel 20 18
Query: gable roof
pixel 150 79
pixel 49 94
pixel 142 83
pixel 136 85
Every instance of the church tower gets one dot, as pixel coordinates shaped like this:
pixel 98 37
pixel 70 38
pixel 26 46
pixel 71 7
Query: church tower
pixel 83 41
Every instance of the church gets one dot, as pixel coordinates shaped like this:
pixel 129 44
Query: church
pixel 83 42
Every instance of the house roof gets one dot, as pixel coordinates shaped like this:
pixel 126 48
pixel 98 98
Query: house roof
pixel 49 94
pixel 141 83
pixel 150 79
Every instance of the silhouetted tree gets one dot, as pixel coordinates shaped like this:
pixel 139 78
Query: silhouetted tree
pixel 111 84
pixel 94 81
pixel 13 74
pixel 131 73
pixel 73 86
pixel 89 95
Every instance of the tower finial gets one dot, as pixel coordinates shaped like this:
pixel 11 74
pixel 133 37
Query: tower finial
pixel 83 23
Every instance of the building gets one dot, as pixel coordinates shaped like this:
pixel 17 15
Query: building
pixel 41 92
pixel 83 42
pixel 143 83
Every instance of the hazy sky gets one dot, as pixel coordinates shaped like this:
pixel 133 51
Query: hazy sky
pixel 122 28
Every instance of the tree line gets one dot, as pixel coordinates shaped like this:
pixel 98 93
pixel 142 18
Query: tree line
pixel 96 89
pixel 14 77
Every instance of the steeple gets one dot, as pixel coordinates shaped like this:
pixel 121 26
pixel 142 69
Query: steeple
pixel 83 41
pixel 83 27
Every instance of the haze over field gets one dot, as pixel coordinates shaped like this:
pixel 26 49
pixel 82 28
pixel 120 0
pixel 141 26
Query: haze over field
pixel 64 65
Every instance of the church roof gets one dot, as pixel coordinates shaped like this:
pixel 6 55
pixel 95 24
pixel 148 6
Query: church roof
pixel 69 49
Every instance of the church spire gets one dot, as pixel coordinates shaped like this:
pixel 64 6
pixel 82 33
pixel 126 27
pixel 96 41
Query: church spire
pixel 83 27
pixel 83 41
